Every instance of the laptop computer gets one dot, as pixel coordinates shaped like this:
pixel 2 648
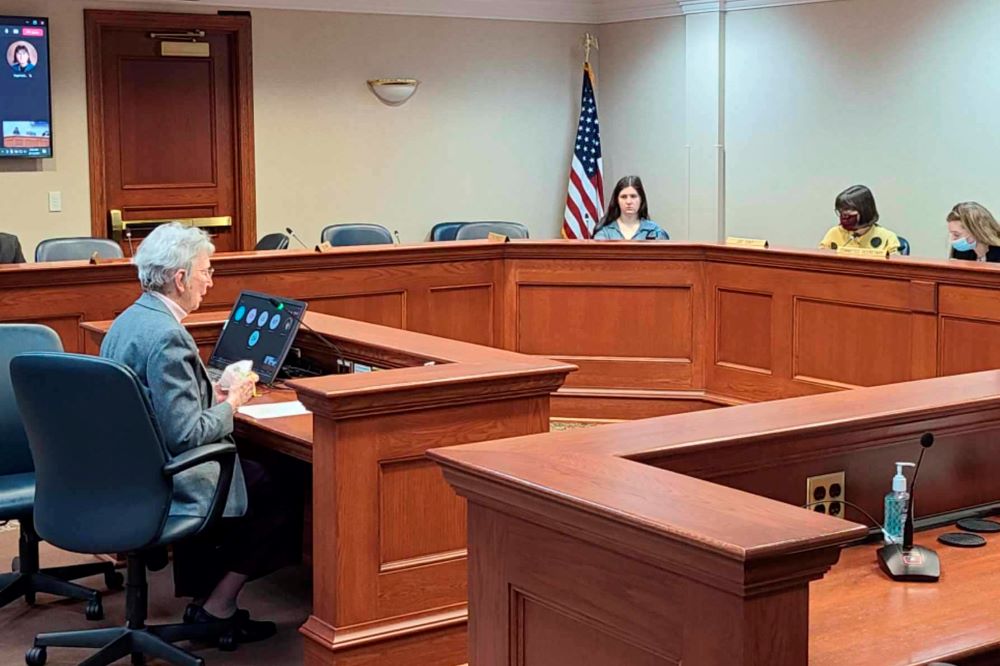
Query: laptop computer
pixel 260 328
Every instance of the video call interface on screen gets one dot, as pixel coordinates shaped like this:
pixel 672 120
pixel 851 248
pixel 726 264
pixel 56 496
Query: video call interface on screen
pixel 25 112
pixel 260 328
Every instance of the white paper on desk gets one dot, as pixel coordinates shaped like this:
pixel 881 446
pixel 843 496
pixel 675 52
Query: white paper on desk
pixel 274 410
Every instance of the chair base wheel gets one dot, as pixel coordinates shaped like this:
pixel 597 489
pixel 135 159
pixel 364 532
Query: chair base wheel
pixel 95 609
pixel 36 656
pixel 114 580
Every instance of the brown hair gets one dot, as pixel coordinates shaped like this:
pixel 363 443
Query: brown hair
pixel 978 220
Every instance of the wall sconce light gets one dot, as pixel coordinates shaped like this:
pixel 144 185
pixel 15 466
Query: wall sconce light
pixel 393 92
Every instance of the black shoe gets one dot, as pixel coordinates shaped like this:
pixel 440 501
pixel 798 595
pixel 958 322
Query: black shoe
pixel 245 630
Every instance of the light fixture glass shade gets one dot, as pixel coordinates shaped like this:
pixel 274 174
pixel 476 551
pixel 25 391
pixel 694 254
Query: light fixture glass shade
pixel 393 91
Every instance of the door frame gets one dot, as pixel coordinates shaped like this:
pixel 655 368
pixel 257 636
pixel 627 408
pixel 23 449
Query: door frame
pixel 95 23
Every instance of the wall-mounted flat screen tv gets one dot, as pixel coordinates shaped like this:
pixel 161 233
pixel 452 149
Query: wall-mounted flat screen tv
pixel 25 94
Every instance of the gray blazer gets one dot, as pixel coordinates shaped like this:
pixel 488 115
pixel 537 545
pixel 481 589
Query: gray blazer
pixel 149 339
pixel 10 249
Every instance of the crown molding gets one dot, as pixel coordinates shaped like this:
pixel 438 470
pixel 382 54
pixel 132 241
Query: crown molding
pixel 587 12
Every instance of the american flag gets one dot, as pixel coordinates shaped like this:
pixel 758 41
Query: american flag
pixel 585 200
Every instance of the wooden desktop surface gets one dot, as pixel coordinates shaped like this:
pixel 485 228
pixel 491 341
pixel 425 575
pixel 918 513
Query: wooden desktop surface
pixel 858 616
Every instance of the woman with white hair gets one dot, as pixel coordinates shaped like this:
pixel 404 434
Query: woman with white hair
pixel 175 271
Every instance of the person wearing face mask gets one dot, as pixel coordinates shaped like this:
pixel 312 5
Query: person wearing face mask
pixel 975 234
pixel 855 208
pixel 628 217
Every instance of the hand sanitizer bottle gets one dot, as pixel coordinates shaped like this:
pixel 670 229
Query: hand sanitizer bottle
pixel 896 503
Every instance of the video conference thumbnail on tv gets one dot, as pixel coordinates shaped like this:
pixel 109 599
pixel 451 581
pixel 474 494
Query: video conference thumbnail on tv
pixel 25 97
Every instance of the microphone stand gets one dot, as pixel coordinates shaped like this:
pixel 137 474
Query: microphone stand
pixel 905 561
pixel 292 234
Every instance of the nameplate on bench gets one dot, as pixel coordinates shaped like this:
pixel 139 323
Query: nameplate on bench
pixel 746 242
pixel 869 252
pixel 497 238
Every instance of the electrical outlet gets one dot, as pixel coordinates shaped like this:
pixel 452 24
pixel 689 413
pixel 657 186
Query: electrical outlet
pixel 826 493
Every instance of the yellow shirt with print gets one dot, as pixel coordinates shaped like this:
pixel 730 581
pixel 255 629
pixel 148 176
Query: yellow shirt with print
pixel 876 237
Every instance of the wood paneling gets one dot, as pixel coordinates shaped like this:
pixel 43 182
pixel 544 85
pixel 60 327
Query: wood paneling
pixel 414 495
pixel 550 636
pixel 462 312
pixel 605 320
pixel 147 122
pixel 743 330
pixel 385 309
pixel 968 345
pixel 846 345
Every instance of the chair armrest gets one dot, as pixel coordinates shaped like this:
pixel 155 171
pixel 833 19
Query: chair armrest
pixel 220 453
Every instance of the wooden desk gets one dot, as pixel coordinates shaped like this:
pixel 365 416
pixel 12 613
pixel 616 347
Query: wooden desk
pixel 609 546
pixel 908 624
pixel 389 558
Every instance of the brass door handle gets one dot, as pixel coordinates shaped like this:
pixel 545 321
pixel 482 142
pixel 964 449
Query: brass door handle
pixel 118 225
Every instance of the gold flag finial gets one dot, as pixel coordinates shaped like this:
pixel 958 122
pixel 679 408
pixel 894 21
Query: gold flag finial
pixel 589 42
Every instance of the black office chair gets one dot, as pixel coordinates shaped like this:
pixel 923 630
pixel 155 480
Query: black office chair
pixel 104 485
pixel 17 490
pixel 445 231
pixel 275 241
pixel 904 246
pixel 356 234
pixel 480 230
pixel 68 249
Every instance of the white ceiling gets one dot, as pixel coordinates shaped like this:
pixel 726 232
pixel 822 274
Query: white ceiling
pixel 562 11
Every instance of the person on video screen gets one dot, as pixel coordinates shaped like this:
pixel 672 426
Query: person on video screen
pixel 22 62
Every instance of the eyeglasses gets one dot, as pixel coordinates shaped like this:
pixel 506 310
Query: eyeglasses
pixel 207 271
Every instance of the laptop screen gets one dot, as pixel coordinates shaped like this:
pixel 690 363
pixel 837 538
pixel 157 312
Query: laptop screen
pixel 261 329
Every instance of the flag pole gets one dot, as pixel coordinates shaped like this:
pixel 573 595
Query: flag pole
pixel 589 42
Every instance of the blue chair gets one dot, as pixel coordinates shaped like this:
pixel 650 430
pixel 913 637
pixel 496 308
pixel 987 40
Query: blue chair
pixel 356 234
pixel 480 230
pixel 69 249
pixel 17 489
pixel 275 241
pixel 445 231
pixel 116 497
pixel 904 246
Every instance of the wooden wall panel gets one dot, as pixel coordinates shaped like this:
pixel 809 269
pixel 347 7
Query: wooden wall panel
pixel 461 312
pixel 846 345
pixel 605 320
pixel 968 345
pixel 743 330
pixel 550 636
pixel 385 309
pixel 415 487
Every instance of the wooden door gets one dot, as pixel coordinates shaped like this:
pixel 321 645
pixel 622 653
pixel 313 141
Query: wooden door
pixel 170 115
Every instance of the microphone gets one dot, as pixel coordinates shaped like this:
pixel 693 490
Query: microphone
pixel 395 232
pixel 905 561
pixel 334 348
pixel 926 442
pixel 131 248
pixel 292 234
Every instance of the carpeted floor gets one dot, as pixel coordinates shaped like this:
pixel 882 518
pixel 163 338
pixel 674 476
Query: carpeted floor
pixel 283 597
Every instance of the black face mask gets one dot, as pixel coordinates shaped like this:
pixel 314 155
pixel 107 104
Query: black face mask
pixel 650 234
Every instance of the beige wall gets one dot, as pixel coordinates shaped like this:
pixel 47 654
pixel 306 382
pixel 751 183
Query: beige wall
pixel 641 103
pixel 900 95
pixel 487 136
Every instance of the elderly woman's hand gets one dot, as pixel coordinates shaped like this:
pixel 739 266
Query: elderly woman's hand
pixel 241 390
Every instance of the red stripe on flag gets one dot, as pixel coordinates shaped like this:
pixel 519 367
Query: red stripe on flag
pixel 587 200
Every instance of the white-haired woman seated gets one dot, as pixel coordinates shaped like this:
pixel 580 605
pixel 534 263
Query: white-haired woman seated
pixel 175 271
